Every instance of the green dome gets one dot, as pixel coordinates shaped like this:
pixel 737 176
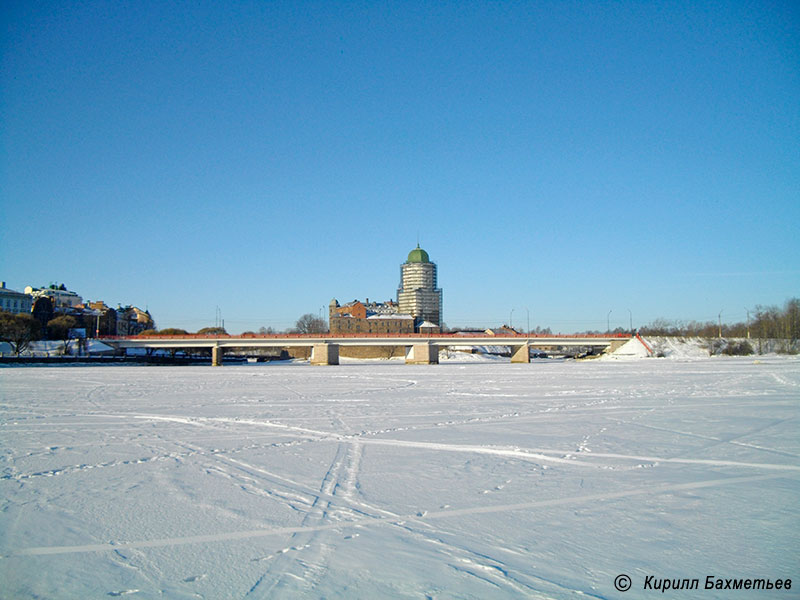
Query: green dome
pixel 418 255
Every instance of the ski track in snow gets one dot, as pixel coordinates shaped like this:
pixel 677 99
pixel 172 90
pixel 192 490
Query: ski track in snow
pixel 367 521
pixel 532 454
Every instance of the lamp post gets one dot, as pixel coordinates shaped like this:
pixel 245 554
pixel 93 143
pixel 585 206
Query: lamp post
pixel 748 323
pixel 630 323
pixel 511 319
pixel 528 331
pixel 608 322
pixel 719 322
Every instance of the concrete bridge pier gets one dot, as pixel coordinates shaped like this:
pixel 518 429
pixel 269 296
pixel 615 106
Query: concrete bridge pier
pixel 422 354
pixel 325 354
pixel 521 354
pixel 216 356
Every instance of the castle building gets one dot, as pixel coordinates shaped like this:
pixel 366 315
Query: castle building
pixel 368 317
pixel 418 307
pixel 418 295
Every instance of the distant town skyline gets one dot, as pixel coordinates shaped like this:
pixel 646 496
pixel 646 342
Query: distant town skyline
pixel 565 165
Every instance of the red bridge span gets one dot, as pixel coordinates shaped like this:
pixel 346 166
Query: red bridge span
pixel 419 348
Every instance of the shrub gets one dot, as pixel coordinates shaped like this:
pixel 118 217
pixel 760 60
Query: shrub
pixel 714 346
pixel 738 349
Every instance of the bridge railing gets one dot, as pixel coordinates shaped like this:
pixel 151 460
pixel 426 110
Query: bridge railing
pixel 304 336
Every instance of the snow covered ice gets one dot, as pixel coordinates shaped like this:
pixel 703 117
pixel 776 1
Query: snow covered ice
pixel 381 480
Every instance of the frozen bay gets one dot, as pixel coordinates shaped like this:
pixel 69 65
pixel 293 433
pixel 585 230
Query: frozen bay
pixel 381 480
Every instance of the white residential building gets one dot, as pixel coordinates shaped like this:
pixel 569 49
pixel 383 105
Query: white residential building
pixel 61 296
pixel 14 302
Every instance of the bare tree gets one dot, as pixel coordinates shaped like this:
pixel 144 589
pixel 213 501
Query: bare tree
pixel 310 323
pixel 61 328
pixel 18 330
pixel 765 323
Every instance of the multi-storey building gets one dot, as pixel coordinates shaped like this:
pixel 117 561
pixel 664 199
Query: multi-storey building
pixel 61 297
pixel 353 310
pixel 418 295
pixel 105 318
pixel 132 321
pixel 14 302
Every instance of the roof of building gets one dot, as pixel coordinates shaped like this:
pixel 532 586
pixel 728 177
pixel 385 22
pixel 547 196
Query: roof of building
pixel 418 255
pixel 353 303
pixel 9 292
pixel 504 330
pixel 376 316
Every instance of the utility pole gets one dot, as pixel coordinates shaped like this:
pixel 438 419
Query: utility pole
pixel 748 323
pixel 719 321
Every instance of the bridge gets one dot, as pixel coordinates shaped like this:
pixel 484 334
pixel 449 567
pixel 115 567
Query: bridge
pixel 419 348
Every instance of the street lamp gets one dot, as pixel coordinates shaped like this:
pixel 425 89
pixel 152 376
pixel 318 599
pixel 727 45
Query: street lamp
pixel 608 322
pixel 630 316
pixel 511 319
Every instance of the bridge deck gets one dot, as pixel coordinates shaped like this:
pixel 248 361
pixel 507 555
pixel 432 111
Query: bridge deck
pixel 295 340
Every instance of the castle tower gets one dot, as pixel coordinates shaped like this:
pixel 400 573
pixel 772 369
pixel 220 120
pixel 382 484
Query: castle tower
pixel 418 295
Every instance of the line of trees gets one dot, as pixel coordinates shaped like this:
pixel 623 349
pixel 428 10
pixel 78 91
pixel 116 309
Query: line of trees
pixel 308 323
pixel 767 322
pixel 19 330
pixel 177 331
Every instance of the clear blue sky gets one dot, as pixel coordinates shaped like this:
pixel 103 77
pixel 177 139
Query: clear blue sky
pixel 557 159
